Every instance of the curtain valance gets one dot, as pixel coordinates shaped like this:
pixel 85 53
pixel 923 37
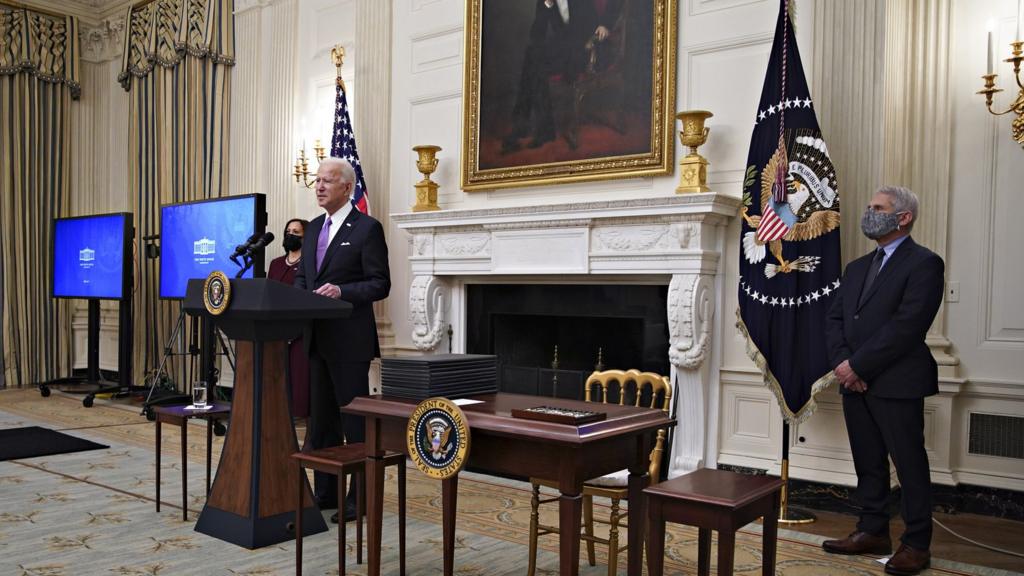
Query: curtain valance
pixel 42 44
pixel 162 32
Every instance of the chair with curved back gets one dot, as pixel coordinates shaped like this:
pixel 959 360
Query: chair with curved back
pixel 610 386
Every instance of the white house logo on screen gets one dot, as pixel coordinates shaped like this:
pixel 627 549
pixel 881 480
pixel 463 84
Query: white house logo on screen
pixel 204 249
pixel 86 257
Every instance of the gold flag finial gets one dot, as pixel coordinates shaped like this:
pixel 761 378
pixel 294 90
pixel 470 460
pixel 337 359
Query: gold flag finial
pixel 338 57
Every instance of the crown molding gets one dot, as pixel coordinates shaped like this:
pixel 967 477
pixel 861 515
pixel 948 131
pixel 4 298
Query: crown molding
pixel 87 11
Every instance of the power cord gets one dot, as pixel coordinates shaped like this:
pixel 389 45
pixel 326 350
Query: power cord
pixel 975 542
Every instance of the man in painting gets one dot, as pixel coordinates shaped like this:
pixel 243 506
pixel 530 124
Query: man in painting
pixel 556 52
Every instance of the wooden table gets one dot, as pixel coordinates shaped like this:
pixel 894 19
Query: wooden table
pixel 179 416
pixel 713 500
pixel 505 445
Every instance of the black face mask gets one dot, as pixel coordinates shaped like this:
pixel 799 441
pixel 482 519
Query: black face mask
pixel 291 242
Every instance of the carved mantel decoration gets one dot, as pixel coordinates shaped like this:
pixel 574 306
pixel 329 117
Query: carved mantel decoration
pixel 678 238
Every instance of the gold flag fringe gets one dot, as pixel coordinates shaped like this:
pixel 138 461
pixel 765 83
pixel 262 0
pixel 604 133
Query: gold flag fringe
pixel 773 384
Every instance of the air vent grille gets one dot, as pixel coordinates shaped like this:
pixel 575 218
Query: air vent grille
pixel 996 435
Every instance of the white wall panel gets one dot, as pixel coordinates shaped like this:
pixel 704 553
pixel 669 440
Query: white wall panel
pixel 433 120
pixel 437 49
pixel 733 97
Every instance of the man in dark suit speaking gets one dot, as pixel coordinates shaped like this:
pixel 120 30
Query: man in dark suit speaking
pixel 344 256
pixel 875 332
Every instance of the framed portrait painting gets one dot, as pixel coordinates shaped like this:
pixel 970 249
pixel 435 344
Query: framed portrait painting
pixel 567 90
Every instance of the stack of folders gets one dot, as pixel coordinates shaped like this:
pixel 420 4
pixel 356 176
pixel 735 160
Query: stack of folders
pixel 445 375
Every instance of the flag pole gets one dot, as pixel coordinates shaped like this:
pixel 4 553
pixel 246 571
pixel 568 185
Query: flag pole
pixel 788 514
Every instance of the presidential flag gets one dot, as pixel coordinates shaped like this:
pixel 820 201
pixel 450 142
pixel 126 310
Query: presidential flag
pixel 343 145
pixel 789 240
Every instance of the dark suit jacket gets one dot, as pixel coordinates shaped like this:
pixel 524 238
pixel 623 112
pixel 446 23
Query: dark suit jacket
pixel 357 262
pixel 884 337
pixel 561 43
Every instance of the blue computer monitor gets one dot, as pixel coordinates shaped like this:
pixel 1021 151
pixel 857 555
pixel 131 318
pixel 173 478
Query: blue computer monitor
pixel 197 238
pixel 92 256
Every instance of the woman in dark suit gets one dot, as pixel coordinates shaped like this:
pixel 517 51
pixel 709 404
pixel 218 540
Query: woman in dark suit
pixel 283 269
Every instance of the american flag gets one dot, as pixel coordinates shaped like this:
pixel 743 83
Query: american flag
pixel 343 145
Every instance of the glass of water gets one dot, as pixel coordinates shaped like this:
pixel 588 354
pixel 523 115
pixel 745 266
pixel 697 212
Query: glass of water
pixel 199 394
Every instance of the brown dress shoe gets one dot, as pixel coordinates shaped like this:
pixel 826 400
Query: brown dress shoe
pixel 908 561
pixel 859 543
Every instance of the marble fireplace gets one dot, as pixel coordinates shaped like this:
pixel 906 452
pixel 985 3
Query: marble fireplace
pixel 673 244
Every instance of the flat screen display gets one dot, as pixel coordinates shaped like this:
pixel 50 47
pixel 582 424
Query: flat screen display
pixel 91 256
pixel 197 238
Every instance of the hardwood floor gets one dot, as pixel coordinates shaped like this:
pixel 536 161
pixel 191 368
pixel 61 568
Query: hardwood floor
pixel 998 532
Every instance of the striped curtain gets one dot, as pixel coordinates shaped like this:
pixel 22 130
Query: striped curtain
pixel 38 80
pixel 176 64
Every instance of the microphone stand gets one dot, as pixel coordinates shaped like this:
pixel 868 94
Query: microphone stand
pixel 247 264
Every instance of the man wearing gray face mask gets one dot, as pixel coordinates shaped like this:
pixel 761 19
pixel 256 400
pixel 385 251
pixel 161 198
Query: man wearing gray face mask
pixel 875 333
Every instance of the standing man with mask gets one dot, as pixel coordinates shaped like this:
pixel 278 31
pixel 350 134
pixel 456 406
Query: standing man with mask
pixel 344 256
pixel 875 333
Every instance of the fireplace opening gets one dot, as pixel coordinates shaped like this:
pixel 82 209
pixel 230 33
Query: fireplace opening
pixel 611 326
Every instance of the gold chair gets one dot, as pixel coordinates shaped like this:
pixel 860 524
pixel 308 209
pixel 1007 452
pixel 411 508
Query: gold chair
pixel 630 386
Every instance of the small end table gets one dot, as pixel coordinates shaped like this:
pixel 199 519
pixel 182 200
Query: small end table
pixel 180 416
pixel 713 500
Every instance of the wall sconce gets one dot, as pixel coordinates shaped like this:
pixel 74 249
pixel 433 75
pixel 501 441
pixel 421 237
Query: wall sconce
pixel 301 172
pixel 1017 107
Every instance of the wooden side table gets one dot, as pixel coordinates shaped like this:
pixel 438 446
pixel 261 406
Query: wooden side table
pixel 179 416
pixel 348 459
pixel 713 500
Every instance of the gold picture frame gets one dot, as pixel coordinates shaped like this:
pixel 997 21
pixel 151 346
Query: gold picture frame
pixel 612 108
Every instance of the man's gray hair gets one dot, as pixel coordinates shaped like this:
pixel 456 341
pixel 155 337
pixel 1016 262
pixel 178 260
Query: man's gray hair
pixel 903 200
pixel 345 170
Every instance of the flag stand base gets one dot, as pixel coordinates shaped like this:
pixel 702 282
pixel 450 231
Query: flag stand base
pixel 788 514
pixel 796 516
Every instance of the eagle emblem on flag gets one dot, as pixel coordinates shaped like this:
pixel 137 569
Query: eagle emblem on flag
pixel 799 201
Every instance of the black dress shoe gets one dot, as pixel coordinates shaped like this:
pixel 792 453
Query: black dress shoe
pixel 350 514
pixel 509 145
pixel 859 543
pixel 540 140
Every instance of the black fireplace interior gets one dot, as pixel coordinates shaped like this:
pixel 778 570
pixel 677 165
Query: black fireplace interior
pixel 523 323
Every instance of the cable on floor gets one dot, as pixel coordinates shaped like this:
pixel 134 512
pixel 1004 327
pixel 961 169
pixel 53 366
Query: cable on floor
pixel 976 543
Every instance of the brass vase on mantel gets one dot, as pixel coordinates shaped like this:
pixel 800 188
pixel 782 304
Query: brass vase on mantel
pixel 694 174
pixel 426 190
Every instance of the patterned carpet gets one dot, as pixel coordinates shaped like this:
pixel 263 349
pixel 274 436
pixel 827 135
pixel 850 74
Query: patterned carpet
pixel 93 513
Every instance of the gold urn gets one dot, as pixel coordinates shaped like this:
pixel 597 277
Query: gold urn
pixel 426 190
pixel 694 174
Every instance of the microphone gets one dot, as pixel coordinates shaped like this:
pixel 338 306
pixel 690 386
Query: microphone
pixel 260 244
pixel 241 248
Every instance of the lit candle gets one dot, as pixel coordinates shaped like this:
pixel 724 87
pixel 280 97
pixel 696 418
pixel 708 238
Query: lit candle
pixel 1020 16
pixel 991 52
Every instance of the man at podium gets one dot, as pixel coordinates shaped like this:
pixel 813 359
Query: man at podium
pixel 348 260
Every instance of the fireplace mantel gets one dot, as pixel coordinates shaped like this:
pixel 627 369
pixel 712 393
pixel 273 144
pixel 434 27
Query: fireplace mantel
pixel 679 238
pixel 665 235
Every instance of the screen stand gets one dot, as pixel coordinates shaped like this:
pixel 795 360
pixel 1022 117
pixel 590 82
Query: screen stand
pixel 93 383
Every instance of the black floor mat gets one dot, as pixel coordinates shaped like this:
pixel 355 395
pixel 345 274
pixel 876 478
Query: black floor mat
pixel 33 441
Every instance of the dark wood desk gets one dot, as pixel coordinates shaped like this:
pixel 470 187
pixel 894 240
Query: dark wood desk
pixel 506 445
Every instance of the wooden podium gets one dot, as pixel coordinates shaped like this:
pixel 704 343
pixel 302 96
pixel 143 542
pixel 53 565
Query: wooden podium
pixel 252 503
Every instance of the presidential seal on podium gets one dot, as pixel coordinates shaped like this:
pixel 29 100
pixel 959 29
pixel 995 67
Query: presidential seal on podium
pixel 438 438
pixel 216 293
